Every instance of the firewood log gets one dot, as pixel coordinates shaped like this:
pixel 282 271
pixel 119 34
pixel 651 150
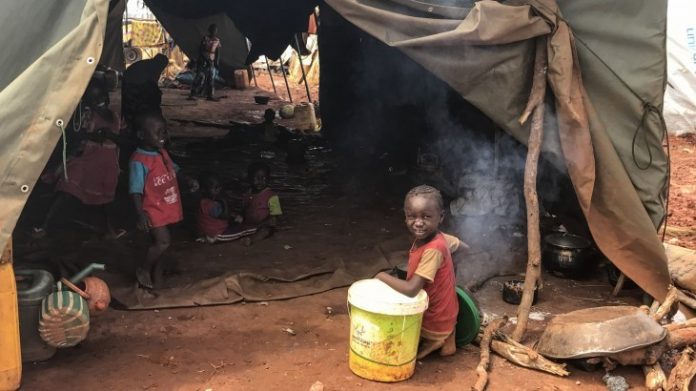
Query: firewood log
pixel 684 372
pixel 525 356
pixel 484 345
pixel 655 379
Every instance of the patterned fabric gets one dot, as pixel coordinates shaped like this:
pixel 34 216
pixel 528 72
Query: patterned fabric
pixel 144 33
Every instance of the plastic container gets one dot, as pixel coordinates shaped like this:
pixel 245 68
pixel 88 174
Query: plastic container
pixel 306 117
pixel 10 357
pixel 384 331
pixel 32 287
pixel 241 79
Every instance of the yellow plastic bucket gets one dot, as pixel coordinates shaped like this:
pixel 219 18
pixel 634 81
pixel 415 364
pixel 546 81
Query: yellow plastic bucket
pixel 384 331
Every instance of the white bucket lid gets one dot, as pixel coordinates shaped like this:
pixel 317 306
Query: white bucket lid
pixel 375 296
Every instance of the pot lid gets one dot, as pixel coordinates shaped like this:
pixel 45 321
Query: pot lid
pixel 568 241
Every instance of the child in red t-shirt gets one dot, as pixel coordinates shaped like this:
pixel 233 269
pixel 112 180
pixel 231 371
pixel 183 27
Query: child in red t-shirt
pixel 155 191
pixel 213 215
pixel 430 268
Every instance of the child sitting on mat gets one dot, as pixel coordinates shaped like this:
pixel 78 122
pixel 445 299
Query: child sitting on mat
pixel 430 267
pixel 213 214
pixel 261 207
pixel 261 204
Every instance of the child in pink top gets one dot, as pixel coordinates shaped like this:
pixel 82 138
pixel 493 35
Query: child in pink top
pixel 92 174
pixel 213 215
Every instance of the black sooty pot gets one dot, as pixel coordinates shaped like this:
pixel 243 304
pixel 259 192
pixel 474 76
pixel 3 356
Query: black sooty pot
pixel 512 292
pixel 568 256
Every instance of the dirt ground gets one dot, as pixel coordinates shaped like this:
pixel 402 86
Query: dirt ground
pixel 681 222
pixel 244 346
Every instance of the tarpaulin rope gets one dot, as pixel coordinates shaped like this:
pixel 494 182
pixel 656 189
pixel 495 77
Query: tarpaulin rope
pixel 61 125
pixel 647 106
pixel 647 109
pixel 77 118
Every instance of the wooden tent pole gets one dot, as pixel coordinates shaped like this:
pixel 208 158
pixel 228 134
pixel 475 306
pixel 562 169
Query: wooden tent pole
pixel 304 76
pixel 536 135
pixel 285 78
pixel 270 74
pixel 253 75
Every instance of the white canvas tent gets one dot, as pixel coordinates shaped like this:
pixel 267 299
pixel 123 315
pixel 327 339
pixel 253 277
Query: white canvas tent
pixel 680 95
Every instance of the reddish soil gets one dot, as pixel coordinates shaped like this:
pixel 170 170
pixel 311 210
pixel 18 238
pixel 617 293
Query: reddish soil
pixel 681 223
pixel 244 347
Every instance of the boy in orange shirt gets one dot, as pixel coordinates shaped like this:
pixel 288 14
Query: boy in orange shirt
pixel 430 268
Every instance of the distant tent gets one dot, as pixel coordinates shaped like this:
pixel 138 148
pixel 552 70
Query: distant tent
pixel 680 96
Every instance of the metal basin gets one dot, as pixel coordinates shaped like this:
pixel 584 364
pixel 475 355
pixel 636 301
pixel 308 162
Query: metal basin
pixel 600 331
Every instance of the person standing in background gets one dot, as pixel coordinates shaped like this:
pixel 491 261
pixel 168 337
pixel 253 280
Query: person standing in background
pixel 207 65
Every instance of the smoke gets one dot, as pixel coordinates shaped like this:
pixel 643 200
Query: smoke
pixel 383 104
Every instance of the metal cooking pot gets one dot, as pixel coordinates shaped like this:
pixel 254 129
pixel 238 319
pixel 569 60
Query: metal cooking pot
pixel 513 289
pixel 568 256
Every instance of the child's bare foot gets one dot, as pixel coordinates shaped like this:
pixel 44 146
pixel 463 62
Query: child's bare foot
pixel 143 277
pixel 427 346
pixel 450 346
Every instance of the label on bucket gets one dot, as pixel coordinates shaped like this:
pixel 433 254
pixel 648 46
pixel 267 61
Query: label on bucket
pixel 384 339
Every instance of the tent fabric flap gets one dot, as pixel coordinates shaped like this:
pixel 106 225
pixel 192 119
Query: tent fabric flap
pixel 487 57
pixel 112 54
pixel 188 32
pixel 62 47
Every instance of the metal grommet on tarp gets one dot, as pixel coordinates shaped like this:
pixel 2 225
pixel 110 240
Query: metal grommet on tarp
pixel 90 60
pixel 24 188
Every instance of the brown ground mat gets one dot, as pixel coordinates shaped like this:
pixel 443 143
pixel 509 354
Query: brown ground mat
pixel 294 279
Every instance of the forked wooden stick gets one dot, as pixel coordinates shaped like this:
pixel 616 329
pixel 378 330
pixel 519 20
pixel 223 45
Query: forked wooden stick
pixel 484 345
pixel 536 135
pixel 666 305
pixel 683 373
pixel 524 356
